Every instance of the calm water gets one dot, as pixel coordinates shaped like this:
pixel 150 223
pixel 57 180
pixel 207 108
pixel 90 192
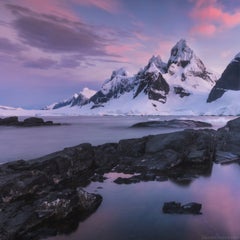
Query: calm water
pixel 133 212
pixel 28 143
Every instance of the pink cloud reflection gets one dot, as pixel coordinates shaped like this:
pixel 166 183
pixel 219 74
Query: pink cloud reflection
pixel 220 199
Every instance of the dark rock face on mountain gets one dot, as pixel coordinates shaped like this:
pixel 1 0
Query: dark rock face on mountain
pixel 230 80
pixel 118 84
pixel 181 92
pixel 151 82
pixel 183 55
pixel 154 86
pixel 28 122
pixel 175 123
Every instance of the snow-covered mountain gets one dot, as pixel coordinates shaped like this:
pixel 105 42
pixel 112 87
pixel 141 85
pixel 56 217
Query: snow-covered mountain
pixel 158 87
pixel 230 80
pixel 78 99
pixel 119 83
pixel 7 108
pixel 179 86
pixel 154 88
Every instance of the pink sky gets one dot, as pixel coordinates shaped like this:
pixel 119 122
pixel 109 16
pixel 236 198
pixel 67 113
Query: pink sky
pixel 50 51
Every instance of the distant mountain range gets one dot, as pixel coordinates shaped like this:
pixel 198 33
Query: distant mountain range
pixel 78 99
pixel 181 86
pixel 155 88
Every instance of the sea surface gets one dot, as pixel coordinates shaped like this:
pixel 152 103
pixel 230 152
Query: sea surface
pixel 134 212
pixel 28 143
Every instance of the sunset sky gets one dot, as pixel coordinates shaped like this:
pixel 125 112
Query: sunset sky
pixel 50 49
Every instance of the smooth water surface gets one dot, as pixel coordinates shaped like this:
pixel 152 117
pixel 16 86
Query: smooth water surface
pixel 28 143
pixel 134 212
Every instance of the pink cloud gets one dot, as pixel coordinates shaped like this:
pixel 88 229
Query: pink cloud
pixel 204 29
pixel 122 49
pixel 112 6
pixel 141 36
pixel 210 18
pixel 58 8
pixel 133 54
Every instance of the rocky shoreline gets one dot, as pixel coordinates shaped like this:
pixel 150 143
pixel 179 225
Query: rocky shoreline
pixel 40 195
pixel 28 122
pixel 174 123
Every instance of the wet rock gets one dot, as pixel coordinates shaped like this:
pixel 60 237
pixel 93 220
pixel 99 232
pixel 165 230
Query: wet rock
pixel 98 178
pixel 228 137
pixel 28 122
pixel 38 196
pixel 133 179
pixel 33 121
pixel 9 121
pixel 106 156
pixel 177 208
pixel 226 157
pixel 55 179
pixel 132 147
pixel 45 215
pixel 161 178
pixel 175 123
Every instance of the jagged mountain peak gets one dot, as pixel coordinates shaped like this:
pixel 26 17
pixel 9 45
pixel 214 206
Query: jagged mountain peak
pixel 77 99
pixel 87 93
pixel 155 64
pixel 236 58
pixel 119 72
pixel 118 77
pixel 157 60
pixel 180 52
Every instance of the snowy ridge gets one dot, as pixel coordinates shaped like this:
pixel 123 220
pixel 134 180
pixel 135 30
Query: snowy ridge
pixel 76 99
pixel 180 52
pixel 236 58
pixel 87 93
pixel 179 87
pixel 119 79
pixel 8 108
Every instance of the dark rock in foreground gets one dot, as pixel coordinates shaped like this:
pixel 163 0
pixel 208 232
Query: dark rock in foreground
pixel 175 123
pixel 177 208
pixel 39 196
pixel 28 122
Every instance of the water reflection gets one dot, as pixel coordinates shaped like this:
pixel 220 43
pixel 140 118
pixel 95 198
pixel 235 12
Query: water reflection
pixel 134 211
pixel 185 174
pixel 75 130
